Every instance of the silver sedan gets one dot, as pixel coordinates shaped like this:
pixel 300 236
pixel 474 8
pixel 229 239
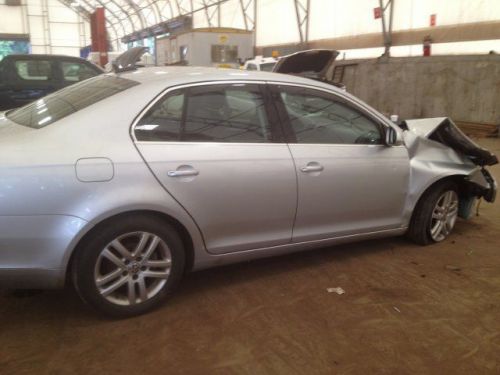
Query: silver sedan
pixel 122 183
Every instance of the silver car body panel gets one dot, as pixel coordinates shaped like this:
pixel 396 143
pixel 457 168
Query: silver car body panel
pixel 58 182
pixel 331 205
pixel 237 183
pixel 33 247
pixel 425 126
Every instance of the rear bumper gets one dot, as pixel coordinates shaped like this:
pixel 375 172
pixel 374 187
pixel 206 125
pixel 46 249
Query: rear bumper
pixel 34 250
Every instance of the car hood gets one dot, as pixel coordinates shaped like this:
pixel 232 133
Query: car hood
pixel 128 60
pixel 444 131
pixel 312 63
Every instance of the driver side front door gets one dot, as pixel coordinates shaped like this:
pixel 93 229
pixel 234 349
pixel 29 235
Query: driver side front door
pixel 349 182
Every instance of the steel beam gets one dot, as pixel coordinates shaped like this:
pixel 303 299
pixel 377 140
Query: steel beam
pixel 387 29
pixel 247 19
pixel 130 15
pixel 302 10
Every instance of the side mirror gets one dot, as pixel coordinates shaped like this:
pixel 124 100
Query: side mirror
pixel 391 136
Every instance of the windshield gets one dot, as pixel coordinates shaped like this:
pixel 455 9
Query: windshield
pixel 267 67
pixel 69 100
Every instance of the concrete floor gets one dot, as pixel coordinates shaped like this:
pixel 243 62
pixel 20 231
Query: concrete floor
pixel 407 310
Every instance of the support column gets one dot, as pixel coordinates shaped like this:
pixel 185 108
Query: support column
pixel 98 35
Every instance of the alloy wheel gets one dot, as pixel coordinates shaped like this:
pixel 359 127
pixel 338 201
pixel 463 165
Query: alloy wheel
pixel 132 268
pixel 444 215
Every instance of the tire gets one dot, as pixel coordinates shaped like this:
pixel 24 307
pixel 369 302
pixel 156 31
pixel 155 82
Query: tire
pixel 129 265
pixel 424 226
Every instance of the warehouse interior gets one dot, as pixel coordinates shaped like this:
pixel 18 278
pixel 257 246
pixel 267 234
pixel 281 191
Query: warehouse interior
pixel 380 304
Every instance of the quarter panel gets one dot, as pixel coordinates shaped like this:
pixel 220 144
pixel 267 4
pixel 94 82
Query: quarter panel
pixel 38 175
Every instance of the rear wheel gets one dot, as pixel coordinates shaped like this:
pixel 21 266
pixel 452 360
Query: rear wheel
pixel 435 215
pixel 129 265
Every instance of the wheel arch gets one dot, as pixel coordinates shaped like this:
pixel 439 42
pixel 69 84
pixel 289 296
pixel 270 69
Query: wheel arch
pixel 458 179
pixel 176 224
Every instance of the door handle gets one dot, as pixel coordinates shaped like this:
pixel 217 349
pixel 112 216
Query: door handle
pixel 312 168
pixel 183 173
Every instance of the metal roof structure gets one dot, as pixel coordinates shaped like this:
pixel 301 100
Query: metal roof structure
pixel 125 17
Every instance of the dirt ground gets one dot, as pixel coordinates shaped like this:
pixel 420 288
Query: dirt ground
pixel 407 310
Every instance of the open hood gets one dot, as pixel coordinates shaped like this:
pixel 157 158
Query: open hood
pixel 313 63
pixel 128 60
pixel 443 130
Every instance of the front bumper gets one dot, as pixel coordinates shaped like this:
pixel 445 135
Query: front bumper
pixel 34 250
pixel 490 194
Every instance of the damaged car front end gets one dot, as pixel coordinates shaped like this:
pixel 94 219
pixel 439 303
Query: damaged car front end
pixel 438 149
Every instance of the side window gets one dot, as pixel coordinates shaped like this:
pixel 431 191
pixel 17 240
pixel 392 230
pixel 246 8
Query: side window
pixel 163 121
pixel 317 118
pixel 234 113
pixel 34 70
pixel 75 71
pixel 251 67
pixel 219 113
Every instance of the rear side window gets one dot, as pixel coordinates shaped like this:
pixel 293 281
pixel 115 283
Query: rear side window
pixel 163 121
pixel 64 102
pixel 76 71
pixel 219 113
pixel 34 70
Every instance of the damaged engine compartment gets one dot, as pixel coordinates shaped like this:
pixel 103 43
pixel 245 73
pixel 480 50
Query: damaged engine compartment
pixel 437 147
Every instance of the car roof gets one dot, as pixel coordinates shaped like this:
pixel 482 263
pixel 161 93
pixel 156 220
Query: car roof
pixel 177 75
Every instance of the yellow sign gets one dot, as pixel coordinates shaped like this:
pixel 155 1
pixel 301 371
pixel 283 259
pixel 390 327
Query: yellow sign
pixel 223 38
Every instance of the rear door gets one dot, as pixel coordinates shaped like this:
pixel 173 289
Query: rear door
pixel 348 181
pixel 218 150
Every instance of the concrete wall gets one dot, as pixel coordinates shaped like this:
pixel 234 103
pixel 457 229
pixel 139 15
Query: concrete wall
pixel 465 88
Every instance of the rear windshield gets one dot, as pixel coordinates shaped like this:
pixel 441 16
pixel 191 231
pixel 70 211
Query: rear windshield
pixel 69 100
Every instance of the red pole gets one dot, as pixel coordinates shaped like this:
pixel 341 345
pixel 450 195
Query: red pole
pixel 427 45
pixel 98 35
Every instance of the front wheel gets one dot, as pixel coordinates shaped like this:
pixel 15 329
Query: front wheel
pixel 435 215
pixel 129 265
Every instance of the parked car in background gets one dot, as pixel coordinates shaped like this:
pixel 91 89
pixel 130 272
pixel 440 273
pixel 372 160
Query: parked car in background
pixel 124 182
pixel 260 63
pixel 25 78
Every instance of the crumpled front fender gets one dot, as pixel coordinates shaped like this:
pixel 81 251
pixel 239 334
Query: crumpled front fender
pixel 431 161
